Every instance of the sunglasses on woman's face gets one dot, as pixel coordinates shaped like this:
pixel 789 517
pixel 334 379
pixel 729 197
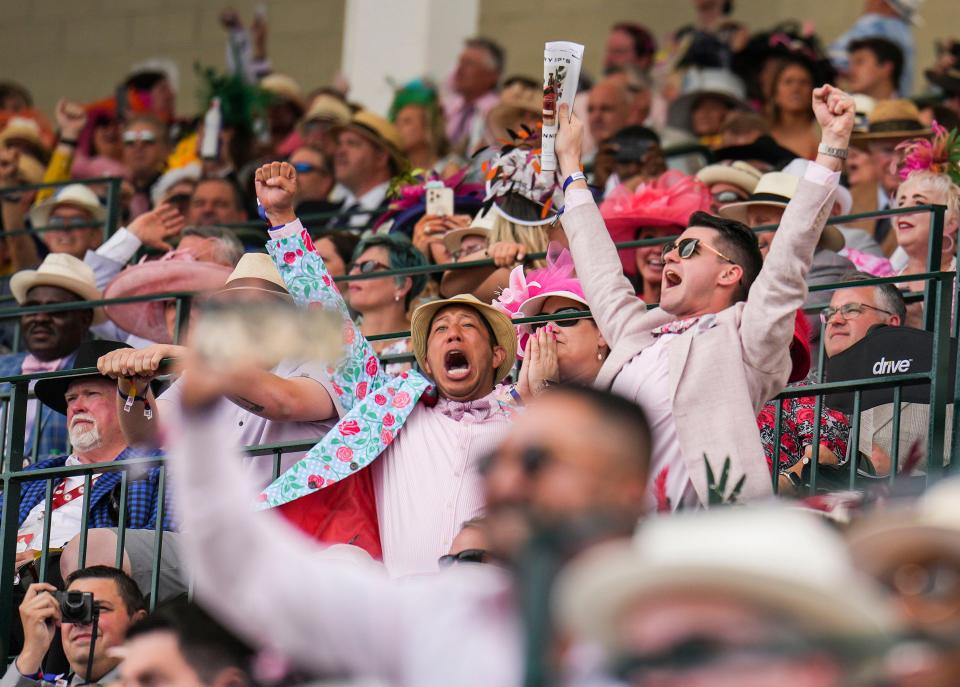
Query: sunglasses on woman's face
pixel 687 248
pixel 368 267
pixel 572 322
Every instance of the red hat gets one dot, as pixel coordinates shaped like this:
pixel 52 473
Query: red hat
pixel 667 201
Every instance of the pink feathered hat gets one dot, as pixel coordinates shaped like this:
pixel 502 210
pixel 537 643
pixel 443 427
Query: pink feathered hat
pixel 176 271
pixel 667 201
pixel 526 293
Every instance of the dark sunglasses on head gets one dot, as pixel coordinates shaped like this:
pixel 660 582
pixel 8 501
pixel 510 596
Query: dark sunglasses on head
pixel 465 556
pixel 687 248
pixel 572 322
pixel 368 267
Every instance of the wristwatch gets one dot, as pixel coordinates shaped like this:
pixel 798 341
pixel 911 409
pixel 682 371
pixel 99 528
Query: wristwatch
pixel 840 153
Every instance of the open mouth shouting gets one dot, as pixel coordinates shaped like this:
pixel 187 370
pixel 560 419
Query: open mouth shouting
pixel 456 365
pixel 671 278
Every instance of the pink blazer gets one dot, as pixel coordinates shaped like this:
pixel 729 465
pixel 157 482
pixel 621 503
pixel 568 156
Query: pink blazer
pixel 722 376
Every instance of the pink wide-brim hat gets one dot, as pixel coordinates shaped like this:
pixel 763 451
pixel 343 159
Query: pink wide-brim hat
pixel 146 320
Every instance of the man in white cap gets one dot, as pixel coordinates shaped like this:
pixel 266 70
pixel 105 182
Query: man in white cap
pixel 51 339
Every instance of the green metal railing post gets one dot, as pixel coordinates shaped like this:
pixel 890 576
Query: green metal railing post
pixel 113 208
pixel 10 519
pixel 183 318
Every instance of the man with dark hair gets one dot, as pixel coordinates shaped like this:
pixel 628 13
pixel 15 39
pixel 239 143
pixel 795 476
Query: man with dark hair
pixel 629 44
pixel 316 172
pixel 216 200
pixel 472 93
pixel 876 66
pixel 633 153
pixel 121 604
pixel 181 646
pixel 575 463
pixel 706 348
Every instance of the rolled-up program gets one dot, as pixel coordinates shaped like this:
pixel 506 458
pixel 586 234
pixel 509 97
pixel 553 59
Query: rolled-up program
pixel 561 73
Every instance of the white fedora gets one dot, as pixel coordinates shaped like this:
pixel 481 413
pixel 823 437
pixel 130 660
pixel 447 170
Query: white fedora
pixel 733 553
pixel 64 271
pixel 737 173
pixel 698 83
pixel 76 195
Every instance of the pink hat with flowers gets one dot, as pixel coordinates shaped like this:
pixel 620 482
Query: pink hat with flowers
pixel 667 201
pixel 526 293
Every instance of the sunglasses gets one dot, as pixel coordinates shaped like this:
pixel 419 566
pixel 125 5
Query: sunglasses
pixel 131 137
pixel 465 556
pixel 72 223
pixel 728 197
pixel 305 167
pixel 572 322
pixel 368 267
pixel 687 248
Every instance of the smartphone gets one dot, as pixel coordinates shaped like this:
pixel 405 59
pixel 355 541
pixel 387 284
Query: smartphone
pixel 440 201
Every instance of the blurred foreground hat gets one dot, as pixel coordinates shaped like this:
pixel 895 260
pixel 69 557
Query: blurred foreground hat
pixel 734 554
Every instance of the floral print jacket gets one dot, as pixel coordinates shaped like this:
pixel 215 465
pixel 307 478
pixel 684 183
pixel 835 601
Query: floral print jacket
pixel 375 404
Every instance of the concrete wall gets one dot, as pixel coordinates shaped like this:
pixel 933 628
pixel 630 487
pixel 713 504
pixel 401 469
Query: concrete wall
pixel 523 26
pixel 82 48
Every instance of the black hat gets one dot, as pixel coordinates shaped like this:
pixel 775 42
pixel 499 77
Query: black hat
pixel 885 351
pixel 52 392
pixel 764 149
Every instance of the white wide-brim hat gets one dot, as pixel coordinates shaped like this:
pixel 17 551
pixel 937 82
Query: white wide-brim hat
pixel 76 195
pixel 64 271
pixel 735 553
pixel 698 83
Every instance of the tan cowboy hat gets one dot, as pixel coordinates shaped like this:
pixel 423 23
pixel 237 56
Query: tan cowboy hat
pixel 736 173
pixel 481 225
pixel 892 119
pixel 256 272
pixel 776 189
pixel 62 270
pixel 515 100
pixel 378 131
pixel 285 87
pixel 501 325
pixel 180 272
pixel 24 130
pixel 328 107
pixel 732 553
pixel 76 195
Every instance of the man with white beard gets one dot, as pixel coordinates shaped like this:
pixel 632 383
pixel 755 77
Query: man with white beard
pixel 93 424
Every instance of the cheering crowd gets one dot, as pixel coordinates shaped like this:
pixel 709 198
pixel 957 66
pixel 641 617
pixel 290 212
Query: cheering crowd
pixel 565 461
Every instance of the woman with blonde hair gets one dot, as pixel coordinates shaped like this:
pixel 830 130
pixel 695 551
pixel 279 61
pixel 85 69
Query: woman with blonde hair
pixel 931 174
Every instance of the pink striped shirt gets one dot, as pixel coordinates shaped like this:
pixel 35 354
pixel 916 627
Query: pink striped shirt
pixel 427 483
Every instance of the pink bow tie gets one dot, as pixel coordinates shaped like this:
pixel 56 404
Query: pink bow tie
pixel 675 327
pixel 455 410
pixel 32 365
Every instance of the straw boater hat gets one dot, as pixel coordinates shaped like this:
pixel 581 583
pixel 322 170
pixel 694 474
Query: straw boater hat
pixel 482 225
pixel 516 99
pixel 76 195
pixel 25 131
pixel 776 189
pixel 64 271
pixel 733 554
pixel 283 87
pixel 500 324
pixel 256 272
pixel 180 272
pixel 736 173
pixel 328 108
pixel 378 131
pixel 892 119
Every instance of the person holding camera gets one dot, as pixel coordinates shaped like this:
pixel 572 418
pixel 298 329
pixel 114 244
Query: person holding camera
pixel 107 592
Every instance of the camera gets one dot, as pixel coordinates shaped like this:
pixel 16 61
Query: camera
pixel 75 607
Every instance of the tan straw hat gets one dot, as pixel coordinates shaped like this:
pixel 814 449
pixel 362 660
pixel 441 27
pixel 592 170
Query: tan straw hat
pixel 736 173
pixel 892 119
pixel 328 107
pixel 516 99
pixel 76 195
pixel 378 131
pixel 501 325
pixel 256 272
pixel 64 271
pixel 776 189
pixel 283 86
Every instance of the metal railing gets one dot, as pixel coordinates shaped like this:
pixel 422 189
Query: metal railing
pixel 938 298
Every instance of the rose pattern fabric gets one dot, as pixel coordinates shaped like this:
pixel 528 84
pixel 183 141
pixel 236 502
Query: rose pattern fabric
pixel 796 429
pixel 376 405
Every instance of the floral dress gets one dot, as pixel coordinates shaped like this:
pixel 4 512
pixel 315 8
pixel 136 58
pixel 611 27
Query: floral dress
pixel 796 429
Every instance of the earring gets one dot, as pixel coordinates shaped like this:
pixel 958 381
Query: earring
pixel 953 244
pixel 599 355
pixel 396 298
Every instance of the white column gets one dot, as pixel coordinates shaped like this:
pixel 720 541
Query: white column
pixel 399 41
